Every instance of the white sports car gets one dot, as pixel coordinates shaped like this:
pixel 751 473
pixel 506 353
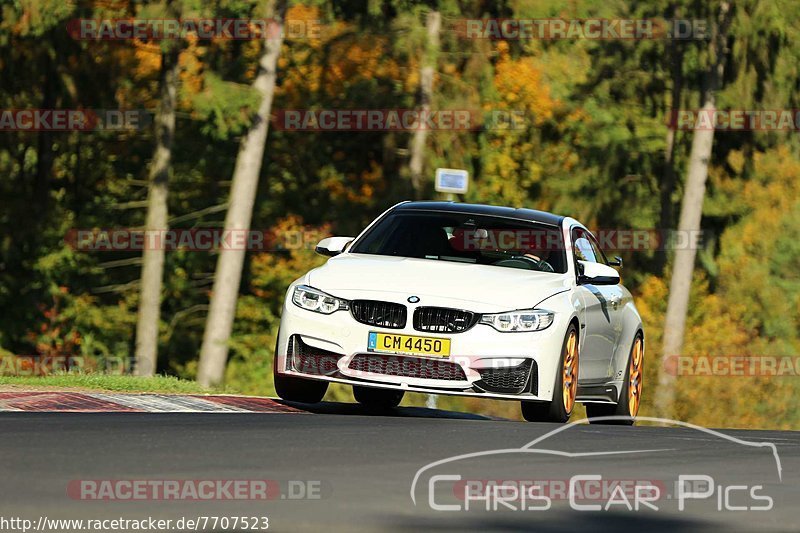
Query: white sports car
pixel 471 300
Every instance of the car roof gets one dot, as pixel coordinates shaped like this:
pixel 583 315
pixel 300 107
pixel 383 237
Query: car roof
pixel 532 215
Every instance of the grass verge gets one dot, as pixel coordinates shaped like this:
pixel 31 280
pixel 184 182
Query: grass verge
pixel 103 382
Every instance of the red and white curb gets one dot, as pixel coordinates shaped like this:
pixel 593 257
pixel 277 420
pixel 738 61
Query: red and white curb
pixel 103 402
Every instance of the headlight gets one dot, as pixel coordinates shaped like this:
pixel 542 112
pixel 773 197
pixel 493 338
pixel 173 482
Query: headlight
pixel 523 320
pixel 313 300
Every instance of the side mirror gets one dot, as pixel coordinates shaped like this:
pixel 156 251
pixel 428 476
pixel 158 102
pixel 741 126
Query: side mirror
pixel 333 245
pixel 616 262
pixel 596 274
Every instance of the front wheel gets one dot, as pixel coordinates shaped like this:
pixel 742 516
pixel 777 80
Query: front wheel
pixel 565 390
pixel 377 398
pixel 630 398
pixel 301 390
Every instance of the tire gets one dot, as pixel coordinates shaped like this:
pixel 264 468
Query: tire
pixel 630 397
pixel 294 389
pixel 378 398
pixel 560 407
pixel 301 390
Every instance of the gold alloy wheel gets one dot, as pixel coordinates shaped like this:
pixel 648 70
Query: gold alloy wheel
pixel 570 372
pixel 635 377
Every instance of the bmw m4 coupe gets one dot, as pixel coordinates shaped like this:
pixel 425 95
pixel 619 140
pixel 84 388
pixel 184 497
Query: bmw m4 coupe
pixel 472 300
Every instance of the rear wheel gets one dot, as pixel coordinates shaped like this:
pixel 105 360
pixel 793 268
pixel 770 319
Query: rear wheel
pixel 565 390
pixel 293 389
pixel 630 398
pixel 377 398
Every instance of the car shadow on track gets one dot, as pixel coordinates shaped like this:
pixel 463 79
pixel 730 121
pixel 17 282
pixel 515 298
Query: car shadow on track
pixel 557 522
pixel 340 408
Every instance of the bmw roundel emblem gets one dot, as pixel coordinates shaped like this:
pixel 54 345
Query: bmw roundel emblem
pixel 413 299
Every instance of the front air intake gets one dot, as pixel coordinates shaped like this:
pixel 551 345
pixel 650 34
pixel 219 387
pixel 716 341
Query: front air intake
pixel 310 360
pixel 509 380
pixel 409 367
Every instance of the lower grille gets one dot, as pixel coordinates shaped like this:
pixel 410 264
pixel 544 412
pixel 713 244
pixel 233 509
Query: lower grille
pixel 443 319
pixel 509 380
pixel 410 367
pixel 381 314
pixel 310 360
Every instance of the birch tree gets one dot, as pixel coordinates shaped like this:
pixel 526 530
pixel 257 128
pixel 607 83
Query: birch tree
pixel 149 311
pixel 222 309
pixel 691 213
pixel 433 23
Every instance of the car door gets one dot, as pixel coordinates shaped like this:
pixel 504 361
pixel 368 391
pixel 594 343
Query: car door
pixel 602 313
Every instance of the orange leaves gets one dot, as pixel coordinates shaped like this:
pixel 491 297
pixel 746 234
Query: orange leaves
pixel 354 188
pixel 754 307
pixel 777 184
pixel 340 58
pixel 521 85
pixel 370 179
pixel 56 335
pixel 272 272
pixel 191 72
pixel 515 159
pixel 148 58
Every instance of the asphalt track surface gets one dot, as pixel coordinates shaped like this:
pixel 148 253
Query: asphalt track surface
pixel 364 464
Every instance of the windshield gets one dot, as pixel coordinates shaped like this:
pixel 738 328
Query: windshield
pixel 467 238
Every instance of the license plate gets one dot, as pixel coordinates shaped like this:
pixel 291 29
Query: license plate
pixel 408 344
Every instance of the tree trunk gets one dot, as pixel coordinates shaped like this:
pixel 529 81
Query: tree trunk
pixel 222 310
pixel 149 311
pixel 689 222
pixel 668 176
pixel 433 23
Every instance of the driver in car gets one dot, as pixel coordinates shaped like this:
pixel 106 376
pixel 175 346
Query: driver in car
pixel 540 257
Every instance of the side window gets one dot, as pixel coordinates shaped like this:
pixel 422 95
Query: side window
pixel 582 247
pixel 598 253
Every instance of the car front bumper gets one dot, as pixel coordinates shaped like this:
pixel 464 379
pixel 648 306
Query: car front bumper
pixel 483 362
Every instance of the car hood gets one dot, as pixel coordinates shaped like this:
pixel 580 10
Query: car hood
pixel 494 288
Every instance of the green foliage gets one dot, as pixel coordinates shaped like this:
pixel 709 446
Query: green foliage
pixel 99 382
pixel 223 109
pixel 590 145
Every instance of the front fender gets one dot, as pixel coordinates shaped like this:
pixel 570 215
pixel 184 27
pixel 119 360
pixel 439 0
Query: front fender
pixel 567 307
